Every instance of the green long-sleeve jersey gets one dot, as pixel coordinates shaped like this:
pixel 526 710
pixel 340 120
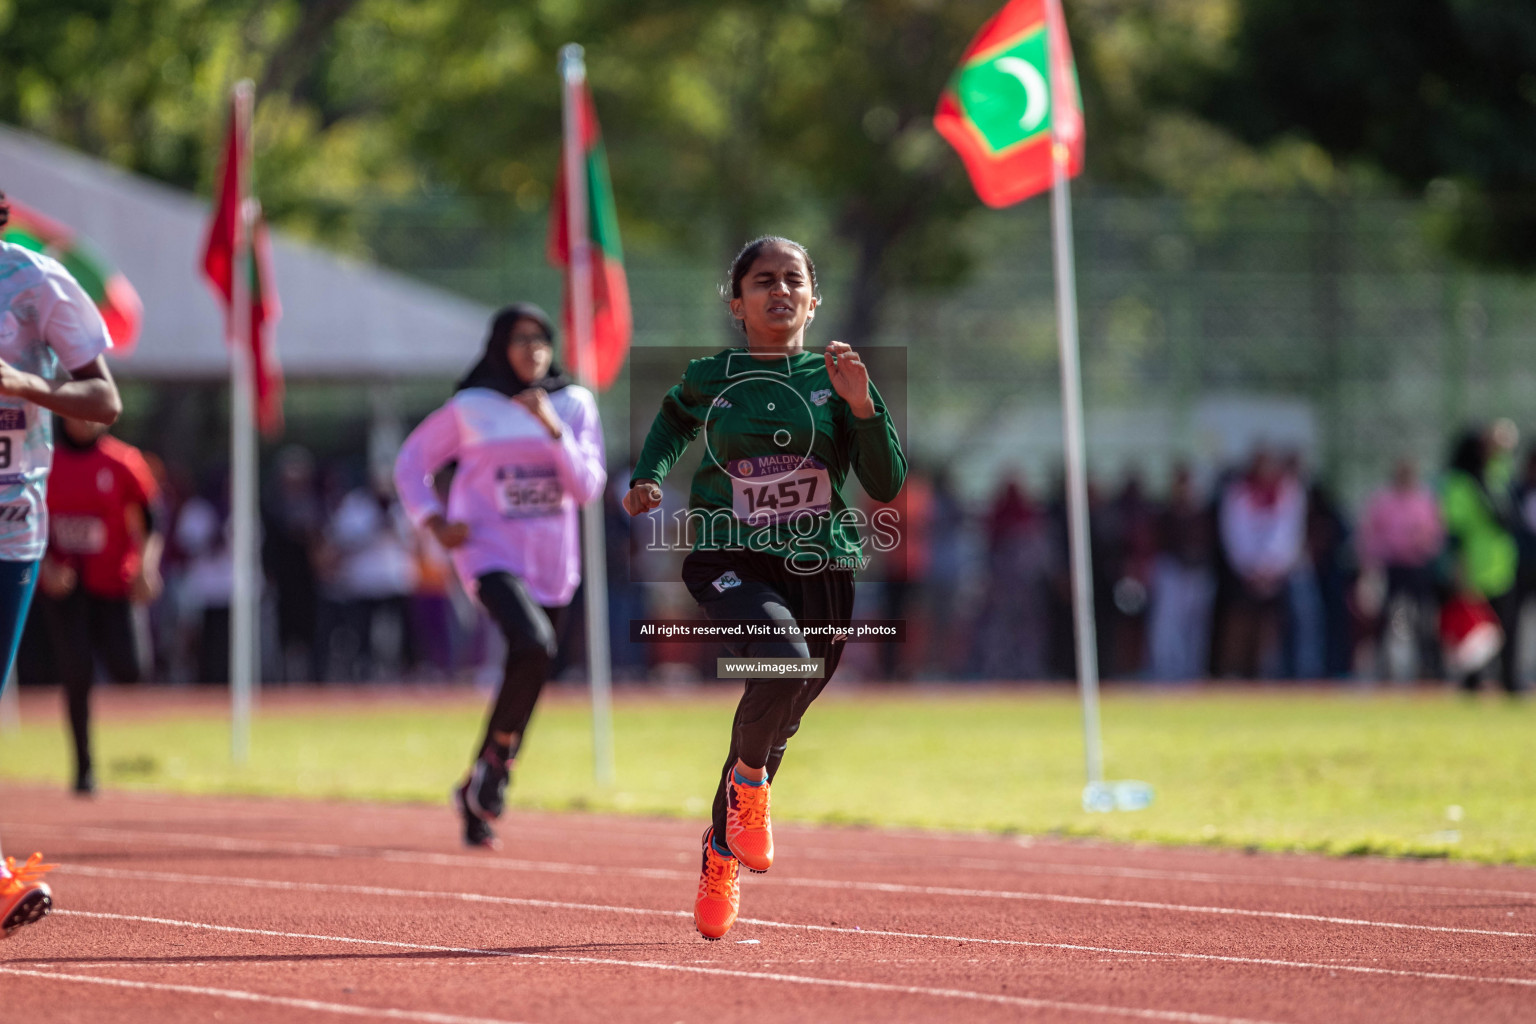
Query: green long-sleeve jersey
pixel 779 443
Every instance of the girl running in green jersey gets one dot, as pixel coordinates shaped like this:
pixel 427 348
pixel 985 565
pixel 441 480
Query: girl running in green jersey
pixel 774 540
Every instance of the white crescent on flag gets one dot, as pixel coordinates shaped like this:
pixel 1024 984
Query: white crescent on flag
pixel 1037 93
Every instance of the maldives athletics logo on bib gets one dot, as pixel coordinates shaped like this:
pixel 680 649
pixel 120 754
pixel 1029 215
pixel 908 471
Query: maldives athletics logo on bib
pixel 1012 101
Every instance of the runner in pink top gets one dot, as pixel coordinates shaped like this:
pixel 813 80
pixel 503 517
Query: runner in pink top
pixel 528 450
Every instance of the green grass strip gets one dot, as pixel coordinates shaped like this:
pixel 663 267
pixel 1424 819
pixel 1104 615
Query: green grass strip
pixel 1347 772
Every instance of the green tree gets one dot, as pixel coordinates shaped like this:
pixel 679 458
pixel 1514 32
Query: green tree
pixel 724 119
pixel 727 120
pixel 1436 93
pixel 144 84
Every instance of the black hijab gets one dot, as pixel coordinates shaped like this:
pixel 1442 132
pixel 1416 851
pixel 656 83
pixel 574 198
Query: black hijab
pixel 494 371
pixel 1470 455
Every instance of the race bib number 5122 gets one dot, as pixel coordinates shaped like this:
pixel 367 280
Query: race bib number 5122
pixel 524 491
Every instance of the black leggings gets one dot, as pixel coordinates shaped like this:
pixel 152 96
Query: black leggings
pixel 770 710
pixel 530 631
pixel 77 631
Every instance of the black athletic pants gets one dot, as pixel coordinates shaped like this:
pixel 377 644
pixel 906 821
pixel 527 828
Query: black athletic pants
pixel 770 710
pixel 82 628
pixel 530 632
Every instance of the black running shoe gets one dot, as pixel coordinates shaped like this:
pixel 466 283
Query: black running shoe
pixel 486 791
pixel 477 832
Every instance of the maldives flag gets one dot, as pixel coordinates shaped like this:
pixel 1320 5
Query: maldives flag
pixel 1013 98
pixel 611 321
pixel 115 298
pixel 219 267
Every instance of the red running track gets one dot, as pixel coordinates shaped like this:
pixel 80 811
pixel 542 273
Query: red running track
pixel 193 909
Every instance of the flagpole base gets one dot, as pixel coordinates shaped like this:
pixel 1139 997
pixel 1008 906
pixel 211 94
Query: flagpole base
pixel 1120 795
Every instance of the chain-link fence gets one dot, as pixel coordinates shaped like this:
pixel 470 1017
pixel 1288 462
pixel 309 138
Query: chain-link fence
pixel 1333 327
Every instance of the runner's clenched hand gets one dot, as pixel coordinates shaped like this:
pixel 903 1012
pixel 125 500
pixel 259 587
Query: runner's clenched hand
pixel 448 533
pixel 536 400
pixel 644 496
pixel 850 378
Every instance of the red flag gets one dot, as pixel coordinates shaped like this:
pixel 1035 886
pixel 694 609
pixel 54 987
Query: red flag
pixel 219 267
pixel 1013 101
pixel 266 310
pixel 611 321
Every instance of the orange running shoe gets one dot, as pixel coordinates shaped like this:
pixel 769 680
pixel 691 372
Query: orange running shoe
pixel 748 832
pixel 24 897
pixel 714 909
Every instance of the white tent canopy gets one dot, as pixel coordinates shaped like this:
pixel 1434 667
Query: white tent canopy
pixel 341 318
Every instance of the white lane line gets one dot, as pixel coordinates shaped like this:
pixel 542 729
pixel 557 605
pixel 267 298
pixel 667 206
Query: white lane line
pixel 84 965
pixel 1168 875
pixel 1180 1016
pixel 1024 868
pixel 1093 901
pixel 522 901
pixel 1210 957
pixel 809 852
pixel 331 850
pixel 335 851
pixel 345 1009
pixel 201 926
pixel 179 878
pixel 799 831
pixel 1028 867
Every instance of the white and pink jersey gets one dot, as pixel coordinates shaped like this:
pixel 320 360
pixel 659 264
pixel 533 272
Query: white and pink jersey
pixel 46 319
pixel 518 490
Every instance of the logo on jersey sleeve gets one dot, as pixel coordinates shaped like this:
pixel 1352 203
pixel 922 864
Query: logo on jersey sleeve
pixel 726 582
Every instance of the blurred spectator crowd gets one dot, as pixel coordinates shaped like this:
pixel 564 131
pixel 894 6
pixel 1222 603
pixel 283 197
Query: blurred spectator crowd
pixel 352 592
pixel 1254 572
pixel 1260 574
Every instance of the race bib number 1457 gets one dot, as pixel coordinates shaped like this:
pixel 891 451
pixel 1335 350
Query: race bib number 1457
pixel 772 488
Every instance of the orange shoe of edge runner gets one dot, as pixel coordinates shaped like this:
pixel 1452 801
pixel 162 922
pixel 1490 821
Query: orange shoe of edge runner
pixel 24 897
pixel 714 909
pixel 748 832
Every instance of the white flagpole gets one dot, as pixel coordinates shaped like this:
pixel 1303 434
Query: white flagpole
pixel 243 601
pixel 1076 460
pixel 573 74
pixel 1072 413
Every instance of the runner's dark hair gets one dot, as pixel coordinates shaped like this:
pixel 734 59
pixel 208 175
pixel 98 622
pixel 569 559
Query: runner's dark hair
pixel 5 210
pixel 748 256
pixel 494 371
